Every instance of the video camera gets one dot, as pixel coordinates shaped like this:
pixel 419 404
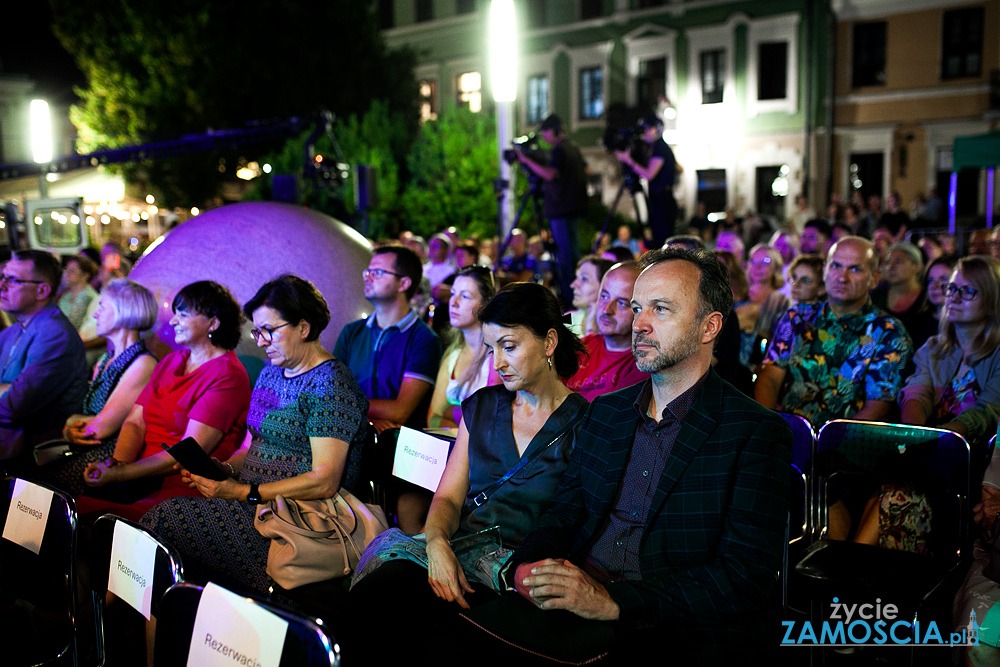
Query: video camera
pixel 528 145
pixel 622 138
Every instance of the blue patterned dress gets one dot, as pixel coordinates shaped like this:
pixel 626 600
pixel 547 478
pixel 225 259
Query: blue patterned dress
pixel 216 538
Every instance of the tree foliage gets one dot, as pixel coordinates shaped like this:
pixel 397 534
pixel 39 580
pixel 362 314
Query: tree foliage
pixel 157 71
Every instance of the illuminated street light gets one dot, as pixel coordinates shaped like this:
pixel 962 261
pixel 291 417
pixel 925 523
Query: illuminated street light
pixel 503 76
pixel 41 132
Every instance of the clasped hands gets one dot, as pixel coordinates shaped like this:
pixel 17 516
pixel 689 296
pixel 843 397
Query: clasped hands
pixel 986 511
pixel 558 584
pixel 103 473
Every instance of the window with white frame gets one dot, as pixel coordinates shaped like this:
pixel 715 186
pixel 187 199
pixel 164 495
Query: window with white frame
pixel 651 82
pixel 469 87
pixel 538 99
pixel 591 87
pixel 650 55
pixel 713 78
pixel 772 70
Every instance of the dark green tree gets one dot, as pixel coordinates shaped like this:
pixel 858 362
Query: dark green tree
pixel 157 71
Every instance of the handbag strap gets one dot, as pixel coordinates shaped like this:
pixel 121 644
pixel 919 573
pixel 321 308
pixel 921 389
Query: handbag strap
pixel 480 499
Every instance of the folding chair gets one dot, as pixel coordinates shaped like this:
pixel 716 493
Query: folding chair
pixel 803 448
pixel 853 455
pixel 38 590
pixel 306 643
pixel 167 571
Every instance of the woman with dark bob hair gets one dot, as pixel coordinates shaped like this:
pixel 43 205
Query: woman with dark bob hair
pixel 530 419
pixel 199 391
pixel 308 420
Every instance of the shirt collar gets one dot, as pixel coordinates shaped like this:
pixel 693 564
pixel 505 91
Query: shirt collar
pixel 408 321
pixel 677 409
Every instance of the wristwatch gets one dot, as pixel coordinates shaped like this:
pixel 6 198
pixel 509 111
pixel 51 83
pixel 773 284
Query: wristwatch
pixel 254 496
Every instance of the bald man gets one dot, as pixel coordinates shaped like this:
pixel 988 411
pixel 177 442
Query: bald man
pixel 610 365
pixel 845 356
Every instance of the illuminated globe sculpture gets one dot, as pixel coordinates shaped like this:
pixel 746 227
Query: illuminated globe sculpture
pixel 242 246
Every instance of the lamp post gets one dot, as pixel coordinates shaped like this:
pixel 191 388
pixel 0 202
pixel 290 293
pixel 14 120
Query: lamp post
pixel 503 75
pixel 41 139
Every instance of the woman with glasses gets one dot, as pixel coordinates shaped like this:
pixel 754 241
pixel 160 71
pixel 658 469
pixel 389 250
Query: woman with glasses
pixel 764 303
pixel 308 424
pixel 199 391
pixel 938 275
pixel 957 380
pixel 124 310
pixel 901 292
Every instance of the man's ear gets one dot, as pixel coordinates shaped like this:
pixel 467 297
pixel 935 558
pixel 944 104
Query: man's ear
pixel 404 283
pixel 713 327
pixel 44 291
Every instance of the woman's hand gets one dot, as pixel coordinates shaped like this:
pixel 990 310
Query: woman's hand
pixel 104 473
pixel 986 511
pixel 78 433
pixel 227 488
pixel 444 573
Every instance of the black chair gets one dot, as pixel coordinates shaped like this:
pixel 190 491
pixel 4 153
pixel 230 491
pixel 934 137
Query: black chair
pixel 167 571
pixel 306 643
pixel 38 590
pixel 803 448
pixel 855 457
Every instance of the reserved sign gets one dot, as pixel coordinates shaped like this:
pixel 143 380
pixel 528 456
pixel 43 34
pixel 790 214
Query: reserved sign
pixel 420 458
pixel 133 559
pixel 231 630
pixel 28 515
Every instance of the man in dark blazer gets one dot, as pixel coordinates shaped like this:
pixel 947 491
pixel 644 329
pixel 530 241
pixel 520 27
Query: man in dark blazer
pixel 670 519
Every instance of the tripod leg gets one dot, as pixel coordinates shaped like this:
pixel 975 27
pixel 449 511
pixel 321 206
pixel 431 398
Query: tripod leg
pixel 517 219
pixel 611 214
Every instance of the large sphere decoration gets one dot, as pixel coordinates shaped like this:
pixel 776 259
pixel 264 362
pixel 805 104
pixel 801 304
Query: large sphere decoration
pixel 242 246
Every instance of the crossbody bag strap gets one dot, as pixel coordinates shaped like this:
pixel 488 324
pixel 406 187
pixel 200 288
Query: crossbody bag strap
pixel 480 499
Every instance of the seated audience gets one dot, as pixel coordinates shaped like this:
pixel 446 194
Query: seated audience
pixel 729 240
pixel 392 354
pixel 308 424
pixel 465 368
pixel 518 265
pixel 530 418
pixel 957 380
pixel 44 375
pixel 439 264
pixel 125 309
pixel 624 240
pixel 609 365
pixel 617 254
pixel 200 391
pixel 76 295
pixel 843 359
pixel 895 220
pixel 589 272
pixel 816 238
pixel 902 295
pixel 764 304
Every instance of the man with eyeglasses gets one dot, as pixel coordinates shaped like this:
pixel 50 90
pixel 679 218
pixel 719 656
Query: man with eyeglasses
pixel 393 354
pixel 846 357
pixel 43 377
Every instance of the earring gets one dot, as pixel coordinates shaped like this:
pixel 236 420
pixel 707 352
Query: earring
pixel 550 362
pixel 210 336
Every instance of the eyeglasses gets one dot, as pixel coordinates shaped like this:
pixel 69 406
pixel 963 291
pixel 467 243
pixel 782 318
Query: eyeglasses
pixel 763 261
pixel 266 334
pixel 15 282
pixel 378 273
pixel 964 292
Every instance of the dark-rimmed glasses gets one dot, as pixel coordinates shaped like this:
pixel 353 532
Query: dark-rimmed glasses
pixel 15 281
pixel 965 293
pixel 378 273
pixel 265 334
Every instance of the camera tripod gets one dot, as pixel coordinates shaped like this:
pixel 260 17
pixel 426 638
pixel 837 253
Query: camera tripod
pixel 630 181
pixel 533 194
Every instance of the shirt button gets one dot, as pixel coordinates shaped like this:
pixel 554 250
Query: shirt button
pixel 645 473
pixel 619 542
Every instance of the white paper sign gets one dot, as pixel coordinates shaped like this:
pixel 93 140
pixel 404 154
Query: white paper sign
pixel 420 458
pixel 231 630
pixel 28 514
pixel 133 558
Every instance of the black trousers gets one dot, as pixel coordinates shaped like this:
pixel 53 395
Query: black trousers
pixel 662 215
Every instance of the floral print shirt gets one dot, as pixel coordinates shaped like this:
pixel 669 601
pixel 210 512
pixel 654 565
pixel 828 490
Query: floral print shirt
pixel 835 364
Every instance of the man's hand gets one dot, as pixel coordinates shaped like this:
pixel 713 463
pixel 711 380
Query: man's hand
pixel 625 158
pixel 558 584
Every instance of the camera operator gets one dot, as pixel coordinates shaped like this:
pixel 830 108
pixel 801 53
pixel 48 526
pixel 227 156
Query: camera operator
pixel 660 172
pixel 564 196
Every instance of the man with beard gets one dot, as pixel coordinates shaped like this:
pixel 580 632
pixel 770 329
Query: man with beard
pixel 609 365
pixel 668 526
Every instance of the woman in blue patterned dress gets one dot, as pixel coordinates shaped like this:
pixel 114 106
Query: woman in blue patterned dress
pixel 124 311
pixel 307 423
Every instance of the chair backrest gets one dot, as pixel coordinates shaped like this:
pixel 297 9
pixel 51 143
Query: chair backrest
pixel 306 643
pixel 803 449
pixel 797 504
pixel 167 571
pixel 880 450
pixel 37 589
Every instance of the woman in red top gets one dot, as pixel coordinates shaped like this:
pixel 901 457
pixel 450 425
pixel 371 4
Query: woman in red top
pixel 200 391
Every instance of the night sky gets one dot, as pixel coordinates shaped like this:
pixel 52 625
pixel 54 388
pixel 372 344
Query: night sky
pixel 28 47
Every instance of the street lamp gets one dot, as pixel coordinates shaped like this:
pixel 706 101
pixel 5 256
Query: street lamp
pixel 503 75
pixel 41 139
